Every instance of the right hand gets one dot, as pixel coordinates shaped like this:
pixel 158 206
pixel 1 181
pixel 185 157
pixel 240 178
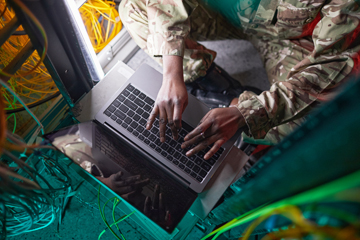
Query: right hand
pixel 122 185
pixel 216 127
pixel 156 208
pixel 172 98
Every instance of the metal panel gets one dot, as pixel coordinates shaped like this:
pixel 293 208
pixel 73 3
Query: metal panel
pixel 18 60
pixel 323 149
pixel 8 30
pixel 65 60
pixel 108 53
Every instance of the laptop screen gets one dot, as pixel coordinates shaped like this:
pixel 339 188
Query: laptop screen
pixel 126 171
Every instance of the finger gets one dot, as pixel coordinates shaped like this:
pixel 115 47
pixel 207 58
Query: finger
pixel 155 203
pixel 142 183
pixel 147 206
pixel 178 110
pixel 129 196
pixel 123 190
pixel 120 184
pixel 174 130
pixel 117 176
pixel 161 207
pixel 132 179
pixel 152 117
pixel 193 141
pixel 199 147
pixel 167 215
pixel 205 143
pixel 162 124
pixel 215 148
pixel 171 123
pixel 161 202
pixel 201 128
pixel 168 218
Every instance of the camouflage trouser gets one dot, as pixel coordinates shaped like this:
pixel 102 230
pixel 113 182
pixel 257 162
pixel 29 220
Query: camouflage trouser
pixel 279 56
pixel 205 25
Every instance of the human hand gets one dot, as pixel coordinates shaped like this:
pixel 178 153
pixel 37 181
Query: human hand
pixel 217 126
pixel 126 186
pixel 172 98
pixel 155 209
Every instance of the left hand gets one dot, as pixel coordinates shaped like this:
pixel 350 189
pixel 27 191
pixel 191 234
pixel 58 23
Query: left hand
pixel 172 98
pixel 218 126
pixel 126 185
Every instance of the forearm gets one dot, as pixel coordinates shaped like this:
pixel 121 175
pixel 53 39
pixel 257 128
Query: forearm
pixel 173 68
pixel 293 99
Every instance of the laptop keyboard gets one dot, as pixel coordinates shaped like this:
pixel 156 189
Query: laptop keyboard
pixel 132 108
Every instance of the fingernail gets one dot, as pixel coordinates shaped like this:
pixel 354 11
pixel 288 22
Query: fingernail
pixel 162 139
pixel 189 152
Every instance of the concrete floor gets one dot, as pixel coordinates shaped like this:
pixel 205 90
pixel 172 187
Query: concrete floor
pixel 82 219
pixel 238 57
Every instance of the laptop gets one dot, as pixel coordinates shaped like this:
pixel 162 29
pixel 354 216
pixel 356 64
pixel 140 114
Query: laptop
pixel 156 178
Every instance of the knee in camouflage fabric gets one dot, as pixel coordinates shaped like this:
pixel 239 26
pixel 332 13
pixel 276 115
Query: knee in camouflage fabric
pixel 309 49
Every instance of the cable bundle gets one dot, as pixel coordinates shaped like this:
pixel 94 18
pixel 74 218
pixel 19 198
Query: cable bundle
pixel 32 81
pixel 102 22
pixel 336 202
pixel 30 196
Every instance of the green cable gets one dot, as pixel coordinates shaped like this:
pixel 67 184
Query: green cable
pixel 122 218
pixel 116 202
pixel 103 216
pixel 12 86
pixel 24 105
pixel 312 195
pixel 7 99
pixel 14 121
pixel 102 213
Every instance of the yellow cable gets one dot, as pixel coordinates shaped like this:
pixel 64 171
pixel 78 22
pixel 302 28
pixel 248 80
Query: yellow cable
pixel 102 22
pixel 32 82
pixel 38 24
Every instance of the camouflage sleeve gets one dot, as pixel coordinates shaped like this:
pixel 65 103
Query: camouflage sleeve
pixel 335 56
pixel 168 25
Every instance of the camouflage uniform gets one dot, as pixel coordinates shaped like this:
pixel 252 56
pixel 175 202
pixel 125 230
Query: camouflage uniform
pixel 309 48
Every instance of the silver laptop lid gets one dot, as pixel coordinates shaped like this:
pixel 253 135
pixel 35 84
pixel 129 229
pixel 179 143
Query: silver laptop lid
pixel 126 171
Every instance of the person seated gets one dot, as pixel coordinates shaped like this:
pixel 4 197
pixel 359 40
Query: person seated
pixel 309 49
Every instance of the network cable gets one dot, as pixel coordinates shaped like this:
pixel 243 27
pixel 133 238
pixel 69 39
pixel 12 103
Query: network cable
pixel 102 22
pixel 32 83
pixel 42 31
pixel 116 222
pixel 288 208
